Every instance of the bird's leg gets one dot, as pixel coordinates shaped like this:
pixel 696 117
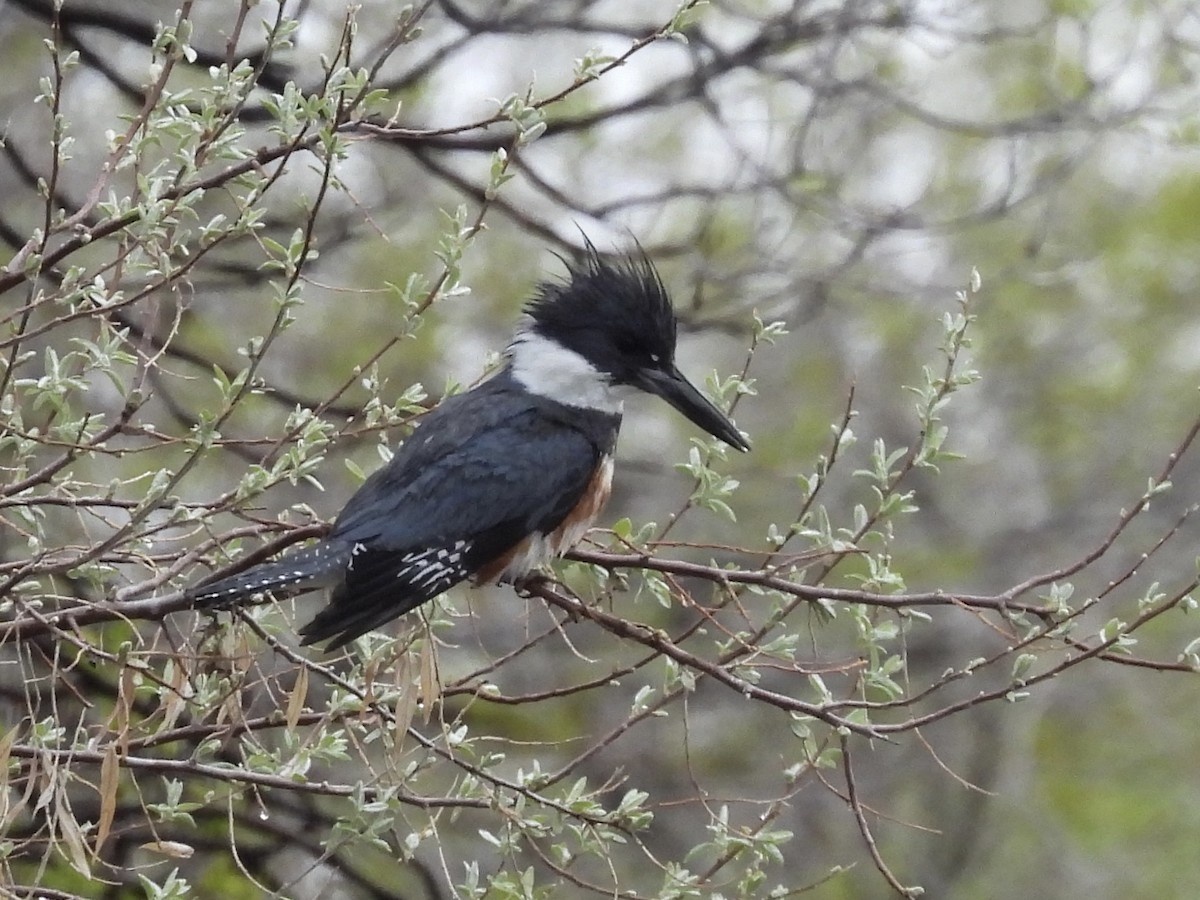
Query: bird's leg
pixel 526 585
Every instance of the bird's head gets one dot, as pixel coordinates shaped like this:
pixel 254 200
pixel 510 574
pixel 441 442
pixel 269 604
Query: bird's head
pixel 607 327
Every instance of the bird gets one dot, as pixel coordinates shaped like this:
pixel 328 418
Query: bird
pixel 498 480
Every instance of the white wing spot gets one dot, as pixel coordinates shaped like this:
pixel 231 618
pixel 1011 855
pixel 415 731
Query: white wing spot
pixel 433 569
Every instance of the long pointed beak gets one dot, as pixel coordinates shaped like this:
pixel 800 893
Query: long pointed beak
pixel 678 391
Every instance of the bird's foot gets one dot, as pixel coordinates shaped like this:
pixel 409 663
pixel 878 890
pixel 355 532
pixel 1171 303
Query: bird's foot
pixel 526 586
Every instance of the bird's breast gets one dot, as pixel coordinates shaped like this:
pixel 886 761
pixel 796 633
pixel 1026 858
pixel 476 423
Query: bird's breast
pixel 537 549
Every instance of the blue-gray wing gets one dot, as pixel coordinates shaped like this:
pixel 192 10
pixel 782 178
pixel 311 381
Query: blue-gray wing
pixel 484 471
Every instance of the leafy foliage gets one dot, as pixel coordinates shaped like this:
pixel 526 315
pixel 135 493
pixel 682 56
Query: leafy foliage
pixel 232 273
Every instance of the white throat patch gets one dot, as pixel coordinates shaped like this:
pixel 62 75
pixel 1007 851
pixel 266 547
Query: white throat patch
pixel 548 369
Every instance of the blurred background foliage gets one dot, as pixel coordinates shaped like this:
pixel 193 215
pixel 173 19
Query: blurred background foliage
pixel 839 167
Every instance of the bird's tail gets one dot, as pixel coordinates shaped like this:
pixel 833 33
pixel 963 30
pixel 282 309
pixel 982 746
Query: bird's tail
pixel 320 565
pixel 343 622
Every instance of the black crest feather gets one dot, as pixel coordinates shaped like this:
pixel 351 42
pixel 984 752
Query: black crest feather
pixel 619 299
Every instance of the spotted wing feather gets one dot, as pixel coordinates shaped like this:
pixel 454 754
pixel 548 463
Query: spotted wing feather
pixel 485 470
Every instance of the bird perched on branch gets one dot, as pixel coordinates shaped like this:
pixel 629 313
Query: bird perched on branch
pixel 502 478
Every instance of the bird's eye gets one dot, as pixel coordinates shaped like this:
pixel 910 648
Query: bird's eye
pixel 655 358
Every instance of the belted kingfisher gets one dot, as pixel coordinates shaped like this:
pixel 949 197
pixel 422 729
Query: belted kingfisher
pixel 502 478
